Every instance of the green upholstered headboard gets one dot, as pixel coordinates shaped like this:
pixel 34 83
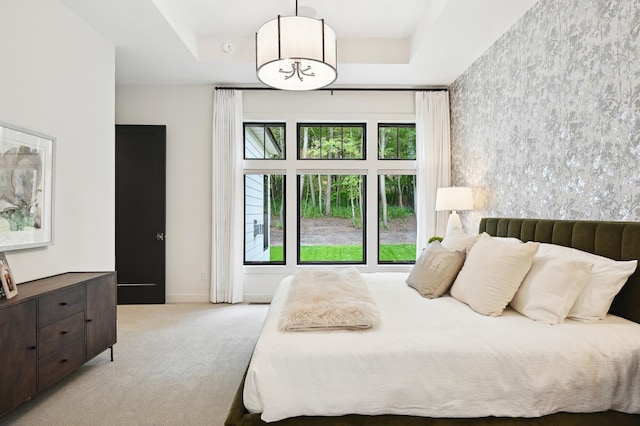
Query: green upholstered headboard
pixel 615 240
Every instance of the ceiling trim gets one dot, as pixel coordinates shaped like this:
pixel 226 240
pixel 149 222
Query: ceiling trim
pixel 350 89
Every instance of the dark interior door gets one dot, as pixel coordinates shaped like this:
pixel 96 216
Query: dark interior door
pixel 140 213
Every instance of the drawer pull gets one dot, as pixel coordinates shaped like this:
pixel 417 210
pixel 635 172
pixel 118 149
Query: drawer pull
pixel 63 303
pixel 33 348
pixel 63 332
pixel 64 361
pixel 89 320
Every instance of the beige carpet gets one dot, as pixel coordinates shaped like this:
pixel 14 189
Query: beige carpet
pixel 175 364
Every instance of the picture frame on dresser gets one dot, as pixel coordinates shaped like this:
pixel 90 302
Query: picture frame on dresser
pixel 9 286
pixel 26 188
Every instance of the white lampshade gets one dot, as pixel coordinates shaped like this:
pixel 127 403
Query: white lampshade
pixel 296 53
pixel 454 198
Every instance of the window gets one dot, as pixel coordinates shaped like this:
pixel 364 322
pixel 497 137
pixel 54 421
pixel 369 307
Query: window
pixel 334 182
pixel 264 219
pixel 331 141
pixel 396 219
pixel 397 141
pixel 331 212
pixel 264 141
pixel 264 196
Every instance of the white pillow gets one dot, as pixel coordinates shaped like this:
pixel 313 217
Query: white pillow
pixel 492 273
pixel 551 287
pixel 509 239
pixel 607 278
pixel 457 239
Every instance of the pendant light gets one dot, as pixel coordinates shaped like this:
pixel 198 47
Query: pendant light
pixel 296 53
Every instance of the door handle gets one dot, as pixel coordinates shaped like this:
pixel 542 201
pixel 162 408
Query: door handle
pixel 160 236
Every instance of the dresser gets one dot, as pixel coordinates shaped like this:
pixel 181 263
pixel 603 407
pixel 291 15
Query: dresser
pixel 53 326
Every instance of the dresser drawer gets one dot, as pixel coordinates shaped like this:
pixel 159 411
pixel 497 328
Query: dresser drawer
pixel 60 333
pixel 61 304
pixel 55 366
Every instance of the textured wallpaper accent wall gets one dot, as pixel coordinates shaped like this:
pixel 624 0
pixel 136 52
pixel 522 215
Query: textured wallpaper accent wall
pixel 547 122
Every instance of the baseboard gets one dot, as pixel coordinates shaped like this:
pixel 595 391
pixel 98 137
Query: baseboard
pixel 186 298
pixel 257 298
pixel 199 298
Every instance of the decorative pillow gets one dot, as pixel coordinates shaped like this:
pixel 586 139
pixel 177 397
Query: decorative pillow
pixel 509 239
pixel 457 239
pixel 607 278
pixel 492 273
pixel 435 270
pixel 551 287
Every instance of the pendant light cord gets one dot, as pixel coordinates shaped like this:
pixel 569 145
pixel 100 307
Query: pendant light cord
pixel 296 7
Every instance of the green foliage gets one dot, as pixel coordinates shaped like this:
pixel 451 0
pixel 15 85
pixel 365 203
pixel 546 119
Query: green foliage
pixel 332 141
pixel 344 190
pixel 18 218
pixel 309 211
pixel 395 212
pixel 343 212
pixel 277 192
pixel 397 141
pixel 276 206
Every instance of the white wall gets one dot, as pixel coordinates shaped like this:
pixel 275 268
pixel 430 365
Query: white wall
pixel 57 77
pixel 187 112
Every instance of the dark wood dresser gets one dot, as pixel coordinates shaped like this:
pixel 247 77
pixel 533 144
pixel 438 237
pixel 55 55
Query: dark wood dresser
pixel 53 326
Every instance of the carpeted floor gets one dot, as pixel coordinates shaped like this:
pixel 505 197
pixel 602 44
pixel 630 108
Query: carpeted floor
pixel 175 364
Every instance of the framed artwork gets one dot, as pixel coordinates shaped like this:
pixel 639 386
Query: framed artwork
pixel 9 286
pixel 26 188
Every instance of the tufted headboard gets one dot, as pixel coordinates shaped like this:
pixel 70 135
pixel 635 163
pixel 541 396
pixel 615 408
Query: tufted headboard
pixel 616 240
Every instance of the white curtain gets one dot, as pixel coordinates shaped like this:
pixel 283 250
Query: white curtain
pixel 433 168
pixel 227 206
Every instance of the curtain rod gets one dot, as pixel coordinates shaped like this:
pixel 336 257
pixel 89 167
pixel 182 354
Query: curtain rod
pixel 351 89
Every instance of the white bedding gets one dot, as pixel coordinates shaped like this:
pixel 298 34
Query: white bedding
pixel 439 358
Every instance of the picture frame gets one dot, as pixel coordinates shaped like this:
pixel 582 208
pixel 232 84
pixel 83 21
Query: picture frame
pixel 9 285
pixel 26 188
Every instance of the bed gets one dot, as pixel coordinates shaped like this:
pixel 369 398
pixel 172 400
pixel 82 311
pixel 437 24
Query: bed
pixel 619 241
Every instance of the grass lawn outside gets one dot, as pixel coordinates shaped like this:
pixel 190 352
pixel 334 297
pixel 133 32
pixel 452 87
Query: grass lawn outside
pixel 276 254
pixel 350 253
pixel 397 252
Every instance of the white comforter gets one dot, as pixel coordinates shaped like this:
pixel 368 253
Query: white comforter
pixel 438 358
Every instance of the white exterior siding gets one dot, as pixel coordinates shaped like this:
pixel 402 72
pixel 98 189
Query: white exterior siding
pixel 254 188
pixel 254 214
pixel 253 148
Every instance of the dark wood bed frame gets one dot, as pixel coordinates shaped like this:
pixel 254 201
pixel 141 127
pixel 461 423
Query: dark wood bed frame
pixel 616 240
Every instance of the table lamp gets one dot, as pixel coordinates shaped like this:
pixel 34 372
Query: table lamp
pixel 454 199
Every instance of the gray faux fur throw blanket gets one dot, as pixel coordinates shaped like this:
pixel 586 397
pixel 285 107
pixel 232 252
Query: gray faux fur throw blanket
pixel 328 299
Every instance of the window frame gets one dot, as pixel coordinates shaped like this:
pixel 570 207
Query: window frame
pixel 327 124
pixel 382 125
pixel 369 166
pixel 263 124
pixel 363 213
pixel 246 262
pixel 387 173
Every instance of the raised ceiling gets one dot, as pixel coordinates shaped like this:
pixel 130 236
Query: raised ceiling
pixel 380 42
